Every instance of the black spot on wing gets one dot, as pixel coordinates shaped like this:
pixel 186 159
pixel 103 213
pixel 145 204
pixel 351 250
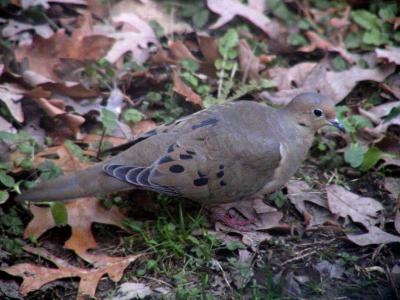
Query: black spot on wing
pixel 170 148
pixel 185 156
pixel 200 181
pixel 165 159
pixel 190 152
pixel 222 183
pixel 221 167
pixel 176 169
pixel 206 122
pixel 220 174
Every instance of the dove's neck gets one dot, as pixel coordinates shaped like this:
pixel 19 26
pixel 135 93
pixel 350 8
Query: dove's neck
pixel 297 136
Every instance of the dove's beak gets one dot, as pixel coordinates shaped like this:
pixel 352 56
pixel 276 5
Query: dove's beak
pixel 338 125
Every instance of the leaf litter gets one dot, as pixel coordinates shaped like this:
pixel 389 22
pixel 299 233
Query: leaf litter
pixel 54 78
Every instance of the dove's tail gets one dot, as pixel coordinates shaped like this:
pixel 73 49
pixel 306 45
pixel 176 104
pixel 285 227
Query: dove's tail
pixel 88 182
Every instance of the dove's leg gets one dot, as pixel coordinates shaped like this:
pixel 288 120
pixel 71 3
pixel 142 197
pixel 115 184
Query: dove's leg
pixel 218 214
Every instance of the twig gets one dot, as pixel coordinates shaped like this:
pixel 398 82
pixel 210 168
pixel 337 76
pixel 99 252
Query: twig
pixel 223 273
pixel 298 257
pixel 100 143
pixel 158 280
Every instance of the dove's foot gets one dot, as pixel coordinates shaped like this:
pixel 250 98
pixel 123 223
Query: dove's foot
pixel 220 215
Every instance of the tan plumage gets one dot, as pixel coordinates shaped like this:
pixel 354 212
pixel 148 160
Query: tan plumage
pixel 222 154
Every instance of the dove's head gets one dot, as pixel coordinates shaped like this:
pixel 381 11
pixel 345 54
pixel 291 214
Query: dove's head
pixel 314 111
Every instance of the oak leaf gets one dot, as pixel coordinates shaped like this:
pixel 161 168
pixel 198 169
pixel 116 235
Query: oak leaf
pixel 345 204
pixel 35 276
pixel 82 212
pixel 375 235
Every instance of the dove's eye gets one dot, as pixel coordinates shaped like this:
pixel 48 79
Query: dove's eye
pixel 317 112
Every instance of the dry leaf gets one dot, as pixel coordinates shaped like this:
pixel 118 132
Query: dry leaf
pixel 382 110
pixel 263 217
pixel 150 10
pixel 391 54
pixel 44 57
pixel 345 204
pixel 249 63
pixel 45 3
pixel 374 236
pixel 74 122
pixel 300 192
pixel 134 37
pixel 293 77
pixel 11 95
pixel 228 9
pixel 82 212
pixel 35 276
pixel 392 185
pixel 6 126
pixel 183 89
pixel 14 29
pixel 258 5
pixel 335 85
pixel 319 43
pixel 397 220
pixel 132 290
pixel 328 270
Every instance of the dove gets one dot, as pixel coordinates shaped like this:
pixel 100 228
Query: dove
pixel 222 154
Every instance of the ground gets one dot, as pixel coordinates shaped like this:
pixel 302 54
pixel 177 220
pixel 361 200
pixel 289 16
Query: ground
pixel 77 77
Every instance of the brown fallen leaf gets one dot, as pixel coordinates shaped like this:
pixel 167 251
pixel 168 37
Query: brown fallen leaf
pixel 343 22
pixel 183 89
pixel 45 3
pixel 391 54
pixel 346 204
pixel 392 185
pixel 42 59
pixel 263 217
pixel 397 220
pixel 82 212
pixel 336 85
pixel 35 276
pixel 249 63
pixel 150 10
pixel 319 43
pixel 375 235
pixel 293 77
pixel 177 51
pixel 209 47
pixel 15 31
pixel 6 126
pixel 389 160
pixel 134 37
pixel 258 5
pixel 299 192
pixel 11 95
pixel 74 122
pixel 44 54
pixel 382 110
pixel 228 9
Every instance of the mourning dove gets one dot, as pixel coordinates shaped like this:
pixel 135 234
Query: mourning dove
pixel 221 154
